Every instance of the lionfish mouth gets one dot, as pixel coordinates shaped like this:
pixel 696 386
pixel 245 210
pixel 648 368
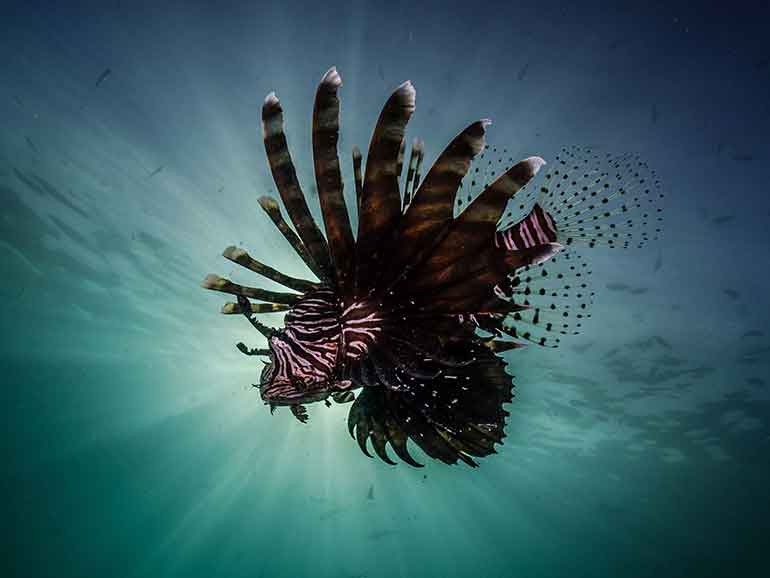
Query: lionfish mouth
pixel 277 393
pixel 288 394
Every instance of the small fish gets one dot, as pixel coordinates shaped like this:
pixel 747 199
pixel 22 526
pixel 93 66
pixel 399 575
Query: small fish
pixel 396 311
pixel 742 157
pixel 660 341
pixel 617 287
pixel 722 220
pixel 31 144
pixel 370 493
pixel 757 352
pixel 731 293
pixel 18 102
pixel 331 513
pixel 379 534
pixel 523 72
pixel 756 381
pixel 155 172
pixel 654 114
pixel 639 291
pixel 380 72
pixel 102 77
pixel 762 63
pixel 753 333
pixel 658 262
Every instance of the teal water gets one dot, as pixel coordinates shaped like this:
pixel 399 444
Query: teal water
pixel 133 443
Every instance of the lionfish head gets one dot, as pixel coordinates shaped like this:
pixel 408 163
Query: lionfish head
pixel 283 382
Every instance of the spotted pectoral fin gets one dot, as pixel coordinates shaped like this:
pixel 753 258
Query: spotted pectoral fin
pixel 556 299
pixel 457 416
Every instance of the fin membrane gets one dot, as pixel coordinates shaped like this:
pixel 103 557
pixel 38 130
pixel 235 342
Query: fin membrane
pixel 596 199
pixel 556 297
pixel 456 416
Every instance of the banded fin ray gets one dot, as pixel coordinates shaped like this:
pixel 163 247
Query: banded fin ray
pixel 235 308
pixel 329 178
pixel 271 207
pixel 478 222
pixel 431 208
pixel 411 167
pixel 473 230
pixel 400 158
pixel 470 288
pixel 380 207
pixel 241 257
pixel 217 283
pixel 357 177
pixel 285 177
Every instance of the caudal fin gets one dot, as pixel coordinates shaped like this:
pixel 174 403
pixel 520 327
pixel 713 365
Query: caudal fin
pixel 585 199
pixel 588 198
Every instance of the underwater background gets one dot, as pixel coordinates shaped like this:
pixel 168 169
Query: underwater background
pixel 130 155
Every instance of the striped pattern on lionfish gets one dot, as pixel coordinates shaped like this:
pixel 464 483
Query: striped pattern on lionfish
pixel 439 279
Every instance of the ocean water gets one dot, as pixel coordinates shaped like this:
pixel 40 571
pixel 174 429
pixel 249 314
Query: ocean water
pixel 133 443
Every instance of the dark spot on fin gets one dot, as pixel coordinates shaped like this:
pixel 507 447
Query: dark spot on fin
pixel 557 298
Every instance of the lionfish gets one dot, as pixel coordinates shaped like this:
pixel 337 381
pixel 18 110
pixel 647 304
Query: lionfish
pixel 415 309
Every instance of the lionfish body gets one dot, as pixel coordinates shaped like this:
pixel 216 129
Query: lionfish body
pixel 438 280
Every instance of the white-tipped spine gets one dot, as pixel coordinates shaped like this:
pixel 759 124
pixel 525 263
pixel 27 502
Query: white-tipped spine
pixel 536 163
pixel 234 253
pixel 407 94
pixel 332 78
pixel 213 282
pixel 271 99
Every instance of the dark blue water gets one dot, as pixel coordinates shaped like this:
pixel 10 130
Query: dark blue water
pixel 133 444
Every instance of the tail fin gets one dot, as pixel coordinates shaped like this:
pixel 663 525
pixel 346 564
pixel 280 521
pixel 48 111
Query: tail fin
pixel 588 198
